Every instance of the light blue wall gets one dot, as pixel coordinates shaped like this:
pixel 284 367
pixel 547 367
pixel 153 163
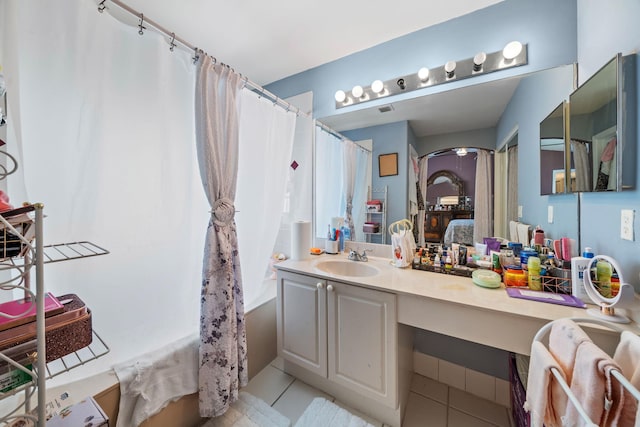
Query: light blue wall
pixel 391 138
pixel 488 29
pixel 604 29
pixel 537 96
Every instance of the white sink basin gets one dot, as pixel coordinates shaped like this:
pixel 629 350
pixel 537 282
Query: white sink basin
pixel 347 268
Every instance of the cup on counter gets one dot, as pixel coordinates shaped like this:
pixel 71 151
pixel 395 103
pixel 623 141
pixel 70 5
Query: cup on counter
pixel 331 246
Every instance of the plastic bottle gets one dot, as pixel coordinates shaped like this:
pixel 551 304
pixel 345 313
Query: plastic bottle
pixel 604 271
pixel 436 261
pixel 578 266
pixel 533 267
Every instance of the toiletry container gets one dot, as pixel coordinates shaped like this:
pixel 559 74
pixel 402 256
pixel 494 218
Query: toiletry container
pixel 533 267
pixel 578 266
pixel 514 276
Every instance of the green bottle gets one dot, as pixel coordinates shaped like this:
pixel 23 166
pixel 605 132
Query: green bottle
pixel 603 273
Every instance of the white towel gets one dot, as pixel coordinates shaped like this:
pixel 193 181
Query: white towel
pixel 627 355
pixel 249 411
pixel 150 382
pixel 513 231
pixel 322 413
pixel 523 233
pixel 541 385
pixel 598 395
pixel 564 339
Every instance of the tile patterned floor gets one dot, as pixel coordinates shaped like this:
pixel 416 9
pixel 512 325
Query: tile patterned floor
pixel 431 404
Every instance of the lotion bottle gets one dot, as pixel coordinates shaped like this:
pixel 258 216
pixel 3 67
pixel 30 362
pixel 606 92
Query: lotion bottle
pixel 579 266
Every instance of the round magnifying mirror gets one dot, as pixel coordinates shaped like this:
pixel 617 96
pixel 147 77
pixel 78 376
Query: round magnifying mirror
pixel 605 285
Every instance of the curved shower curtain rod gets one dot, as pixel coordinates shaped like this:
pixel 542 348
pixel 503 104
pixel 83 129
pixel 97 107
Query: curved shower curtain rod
pixel 338 135
pixel 176 41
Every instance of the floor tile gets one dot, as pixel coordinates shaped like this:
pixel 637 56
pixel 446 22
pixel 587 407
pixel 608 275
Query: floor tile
pixel 269 384
pixel 296 398
pixel 480 384
pixel 421 412
pixel 278 362
pixel 451 374
pixel 425 365
pixel 503 390
pixel 430 388
pixel 357 413
pixel 478 407
pixel 460 419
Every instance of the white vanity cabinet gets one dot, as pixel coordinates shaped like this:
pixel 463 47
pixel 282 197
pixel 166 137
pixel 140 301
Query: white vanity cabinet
pixel 343 333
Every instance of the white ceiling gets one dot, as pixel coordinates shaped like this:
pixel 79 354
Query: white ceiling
pixel 267 41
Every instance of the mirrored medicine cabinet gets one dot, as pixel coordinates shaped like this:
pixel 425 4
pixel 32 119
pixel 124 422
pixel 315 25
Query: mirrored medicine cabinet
pixel 598 153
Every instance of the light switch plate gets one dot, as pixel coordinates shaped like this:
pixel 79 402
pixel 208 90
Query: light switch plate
pixel 626 224
pixel 550 214
pixel 519 211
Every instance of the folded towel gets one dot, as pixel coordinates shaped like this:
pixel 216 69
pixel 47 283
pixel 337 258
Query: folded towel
pixel 150 382
pixel 523 233
pixel 627 355
pixel 541 385
pixel 322 413
pixel 599 396
pixel 564 339
pixel 513 231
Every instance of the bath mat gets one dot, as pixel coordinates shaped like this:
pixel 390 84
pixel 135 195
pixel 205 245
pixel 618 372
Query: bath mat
pixel 322 413
pixel 249 411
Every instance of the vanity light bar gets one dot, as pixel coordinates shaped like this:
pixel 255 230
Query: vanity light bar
pixel 513 55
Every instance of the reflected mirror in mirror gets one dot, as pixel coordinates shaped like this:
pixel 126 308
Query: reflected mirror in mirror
pixel 553 179
pixel 597 130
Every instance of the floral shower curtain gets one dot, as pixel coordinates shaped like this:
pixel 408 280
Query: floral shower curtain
pixel 350 150
pixel 223 349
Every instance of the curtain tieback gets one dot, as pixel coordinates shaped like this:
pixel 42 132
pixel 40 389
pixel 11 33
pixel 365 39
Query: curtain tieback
pixel 223 211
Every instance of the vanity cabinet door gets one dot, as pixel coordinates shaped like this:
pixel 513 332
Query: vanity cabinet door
pixel 362 342
pixel 301 321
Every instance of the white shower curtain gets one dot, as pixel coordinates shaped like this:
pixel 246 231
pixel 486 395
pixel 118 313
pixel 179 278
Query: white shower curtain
pixel 349 168
pixel 330 201
pixel 266 142
pixel 483 207
pixel 360 191
pixel 582 165
pixel 223 346
pixel 512 184
pixel 423 177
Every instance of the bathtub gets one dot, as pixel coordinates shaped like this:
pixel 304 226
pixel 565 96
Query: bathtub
pixel 260 318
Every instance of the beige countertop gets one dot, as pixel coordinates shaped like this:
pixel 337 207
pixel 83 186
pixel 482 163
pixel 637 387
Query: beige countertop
pixel 454 305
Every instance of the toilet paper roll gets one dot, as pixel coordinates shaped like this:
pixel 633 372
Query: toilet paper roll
pixel 300 240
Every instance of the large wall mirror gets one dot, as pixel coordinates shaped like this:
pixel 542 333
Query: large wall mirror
pixel 553 176
pixel 464 117
pixel 602 125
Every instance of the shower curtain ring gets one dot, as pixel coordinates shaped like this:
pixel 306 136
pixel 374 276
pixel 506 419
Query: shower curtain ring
pixel 172 44
pixel 140 26
pixel 196 55
pixel 101 6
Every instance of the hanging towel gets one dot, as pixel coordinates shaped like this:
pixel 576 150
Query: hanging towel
pixel 513 231
pixel 150 382
pixel 523 233
pixel 593 387
pixel 541 384
pixel 564 338
pixel 627 355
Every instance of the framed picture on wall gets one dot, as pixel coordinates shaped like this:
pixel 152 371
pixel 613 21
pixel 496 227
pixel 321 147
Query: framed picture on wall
pixel 388 164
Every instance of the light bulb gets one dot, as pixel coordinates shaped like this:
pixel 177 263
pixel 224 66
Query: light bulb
pixel 340 96
pixel 511 50
pixel 450 68
pixel 478 60
pixel 377 86
pixel 423 74
pixel 357 91
pixel 461 152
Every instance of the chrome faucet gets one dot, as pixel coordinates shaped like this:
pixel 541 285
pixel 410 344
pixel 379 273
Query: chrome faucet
pixel 355 256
